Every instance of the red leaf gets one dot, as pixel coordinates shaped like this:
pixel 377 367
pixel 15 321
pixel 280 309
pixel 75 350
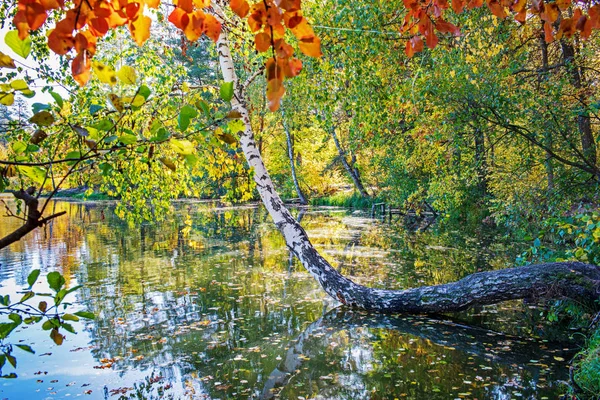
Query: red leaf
pixel 548 35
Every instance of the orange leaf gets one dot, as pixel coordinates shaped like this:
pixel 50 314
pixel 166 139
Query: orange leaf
pixel 52 4
pixel 431 39
pixel 213 27
pixel 273 70
pixel 550 13
pixel 275 91
pixel 240 7
pixel 521 16
pixel 179 18
pixel 20 22
pixel 548 35
pixel 586 30
pixel 185 5
pixel 284 50
pixel 99 26
pixel 140 29
pixel 563 4
pixel 311 47
pixel 273 16
pixel 303 30
pixel 497 9
pixel 152 3
pixel 474 4
pixel 85 41
pixel 290 5
pixel 458 6
pixel 408 49
pixel 80 68
pixel 194 25
pixel 447 27
pixel 262 41
pixel 295 66
pixel 567 27
pixel 258 17
pixel 519 6
pixel 594 16
pixel 36 15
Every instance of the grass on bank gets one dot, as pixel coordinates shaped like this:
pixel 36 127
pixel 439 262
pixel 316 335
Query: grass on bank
pixel 587 368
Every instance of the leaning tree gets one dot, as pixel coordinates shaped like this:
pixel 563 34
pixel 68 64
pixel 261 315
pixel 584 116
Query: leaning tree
pixel 80 23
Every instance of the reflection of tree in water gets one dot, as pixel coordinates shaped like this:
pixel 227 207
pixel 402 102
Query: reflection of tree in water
pixel 221 304
pixel 379 356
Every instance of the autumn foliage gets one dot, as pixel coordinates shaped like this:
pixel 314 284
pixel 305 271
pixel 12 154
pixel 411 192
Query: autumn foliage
pixel 561 18
pixel 83 21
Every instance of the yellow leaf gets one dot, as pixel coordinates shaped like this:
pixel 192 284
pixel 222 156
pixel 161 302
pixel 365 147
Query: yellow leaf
pixel 140 29
pixel 138 101
pixel 168 163
pixel 19 84
pixel 116 102
pixel 127 75
pixel 104 72
pixel 6 61
pixel 7 99
pixel 559 358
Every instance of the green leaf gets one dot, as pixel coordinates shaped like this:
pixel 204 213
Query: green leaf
pixel 36 174
pixel 57 98
pixel 161 135
pixel 19 147
pixel 127 139
pixel 48 324
pixel 2 360
pixel 12 360
pixel 190 160
pixel 185 115
pixel 536 242
pixel 85 314
pixel 26 296
pixel 16 318
pixel 182 147
pixel 56 336
pixel 74 288
pixel 202 105
pixel 4 300
pixel 60 297
pixel 235 126
pixel 55 281
pixel 42 118
pixel 6 328
pixel 12 375
pixel 33 275
pixel 20 47
pixel 104 125
pixel 70 317
pixel 68 327
pixel 226 91
pixel 144 91
pixel 94 108
pixel 26 348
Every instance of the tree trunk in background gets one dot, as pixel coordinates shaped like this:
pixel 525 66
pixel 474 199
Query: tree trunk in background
pixel 290 147
pixel 584 125
pixel 481 161
pixel 548 142
pixel 571 279
pixel 353 172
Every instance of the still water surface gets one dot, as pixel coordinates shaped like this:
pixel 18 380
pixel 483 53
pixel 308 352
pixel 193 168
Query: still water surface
pixel 210 305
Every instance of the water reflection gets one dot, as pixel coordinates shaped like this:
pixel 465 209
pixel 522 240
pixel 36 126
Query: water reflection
pixel 218 309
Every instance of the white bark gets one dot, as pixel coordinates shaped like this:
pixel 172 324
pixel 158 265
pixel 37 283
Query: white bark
pixel 557 279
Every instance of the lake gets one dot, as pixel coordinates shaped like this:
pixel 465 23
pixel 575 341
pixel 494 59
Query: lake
pixel 208 304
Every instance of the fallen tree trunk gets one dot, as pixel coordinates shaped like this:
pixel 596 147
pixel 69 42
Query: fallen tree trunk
pixel 570 279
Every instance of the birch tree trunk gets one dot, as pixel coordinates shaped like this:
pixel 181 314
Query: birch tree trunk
pixel 570 279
